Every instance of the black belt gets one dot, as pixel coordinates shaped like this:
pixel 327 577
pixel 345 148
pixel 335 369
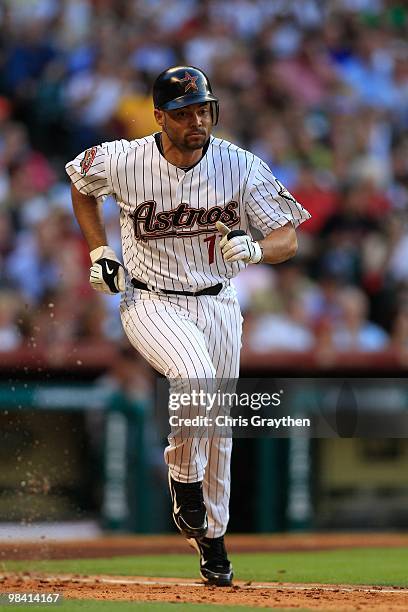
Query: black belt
pixel 214 290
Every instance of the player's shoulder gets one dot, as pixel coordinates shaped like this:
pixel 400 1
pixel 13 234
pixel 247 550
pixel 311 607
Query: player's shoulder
pixel 122 146
pixel 229 147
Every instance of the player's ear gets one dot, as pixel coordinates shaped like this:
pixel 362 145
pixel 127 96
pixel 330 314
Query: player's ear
pixel 159 116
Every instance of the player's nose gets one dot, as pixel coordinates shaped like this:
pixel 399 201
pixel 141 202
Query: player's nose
pixel 196 120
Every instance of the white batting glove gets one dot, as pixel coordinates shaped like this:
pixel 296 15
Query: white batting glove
pixel 106 273
pixel 236 245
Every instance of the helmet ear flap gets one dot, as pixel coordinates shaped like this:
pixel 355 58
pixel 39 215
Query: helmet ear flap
pixel 215 112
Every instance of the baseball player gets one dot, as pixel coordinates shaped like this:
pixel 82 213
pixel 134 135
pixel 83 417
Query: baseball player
pixel 186 202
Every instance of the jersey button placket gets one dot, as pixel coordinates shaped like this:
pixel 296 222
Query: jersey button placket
pixel 179 241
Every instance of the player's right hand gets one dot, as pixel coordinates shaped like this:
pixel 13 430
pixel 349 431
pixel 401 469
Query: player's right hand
pixel 106 273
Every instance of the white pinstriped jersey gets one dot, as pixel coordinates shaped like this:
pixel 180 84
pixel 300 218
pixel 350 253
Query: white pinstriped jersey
pixel 168 215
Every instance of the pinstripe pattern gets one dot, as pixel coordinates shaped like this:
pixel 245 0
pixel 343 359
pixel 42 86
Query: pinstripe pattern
pixel 135 172
pixel 204 343
pixel 168 218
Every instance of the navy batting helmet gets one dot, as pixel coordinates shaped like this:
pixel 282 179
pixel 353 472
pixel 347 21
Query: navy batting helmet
pixel 180 86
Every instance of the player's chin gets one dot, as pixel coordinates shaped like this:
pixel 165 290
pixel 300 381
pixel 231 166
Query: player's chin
pixel 195 141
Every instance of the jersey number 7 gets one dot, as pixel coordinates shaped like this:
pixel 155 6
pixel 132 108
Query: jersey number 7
pixel 211 247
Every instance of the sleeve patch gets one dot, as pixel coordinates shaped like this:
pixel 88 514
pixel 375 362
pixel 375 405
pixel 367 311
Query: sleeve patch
pixel 87 160
pixel 284 193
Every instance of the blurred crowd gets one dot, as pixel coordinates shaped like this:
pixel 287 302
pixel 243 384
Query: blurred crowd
pixel 319 90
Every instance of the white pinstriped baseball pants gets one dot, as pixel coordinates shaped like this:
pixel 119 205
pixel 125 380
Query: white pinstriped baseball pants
pixel 184 338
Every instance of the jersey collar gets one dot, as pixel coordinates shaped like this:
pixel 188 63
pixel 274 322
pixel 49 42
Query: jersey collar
pixel 158 140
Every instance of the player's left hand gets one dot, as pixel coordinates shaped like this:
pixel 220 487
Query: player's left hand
pixel 236 245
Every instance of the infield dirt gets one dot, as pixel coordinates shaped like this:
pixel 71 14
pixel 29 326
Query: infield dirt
pixel 269 595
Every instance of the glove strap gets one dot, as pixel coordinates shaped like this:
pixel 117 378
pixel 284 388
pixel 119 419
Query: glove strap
pixel 258 256
pixel 103 252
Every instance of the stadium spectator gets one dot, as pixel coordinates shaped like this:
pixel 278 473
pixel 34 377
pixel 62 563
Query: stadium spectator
pixel 318 90
pixel 10 336
pixel 353 332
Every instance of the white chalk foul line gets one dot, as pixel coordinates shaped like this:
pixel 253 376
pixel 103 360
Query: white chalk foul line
pixel 257 585
pixel 241 585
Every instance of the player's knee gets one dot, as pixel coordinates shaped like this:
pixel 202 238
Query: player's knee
pixel 203 371
pixel 192 371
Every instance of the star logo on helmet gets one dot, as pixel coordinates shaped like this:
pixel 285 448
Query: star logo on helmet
pixel 190 82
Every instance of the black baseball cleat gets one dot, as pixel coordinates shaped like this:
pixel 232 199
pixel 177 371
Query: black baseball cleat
pixel 189 512
pixel 215 567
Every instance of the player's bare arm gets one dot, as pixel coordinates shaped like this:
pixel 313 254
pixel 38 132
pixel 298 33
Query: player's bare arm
pixel 89 217
pixel 278 246
pixel 106 273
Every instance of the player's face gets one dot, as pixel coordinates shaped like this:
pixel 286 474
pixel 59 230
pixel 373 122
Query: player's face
pixel 188 128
